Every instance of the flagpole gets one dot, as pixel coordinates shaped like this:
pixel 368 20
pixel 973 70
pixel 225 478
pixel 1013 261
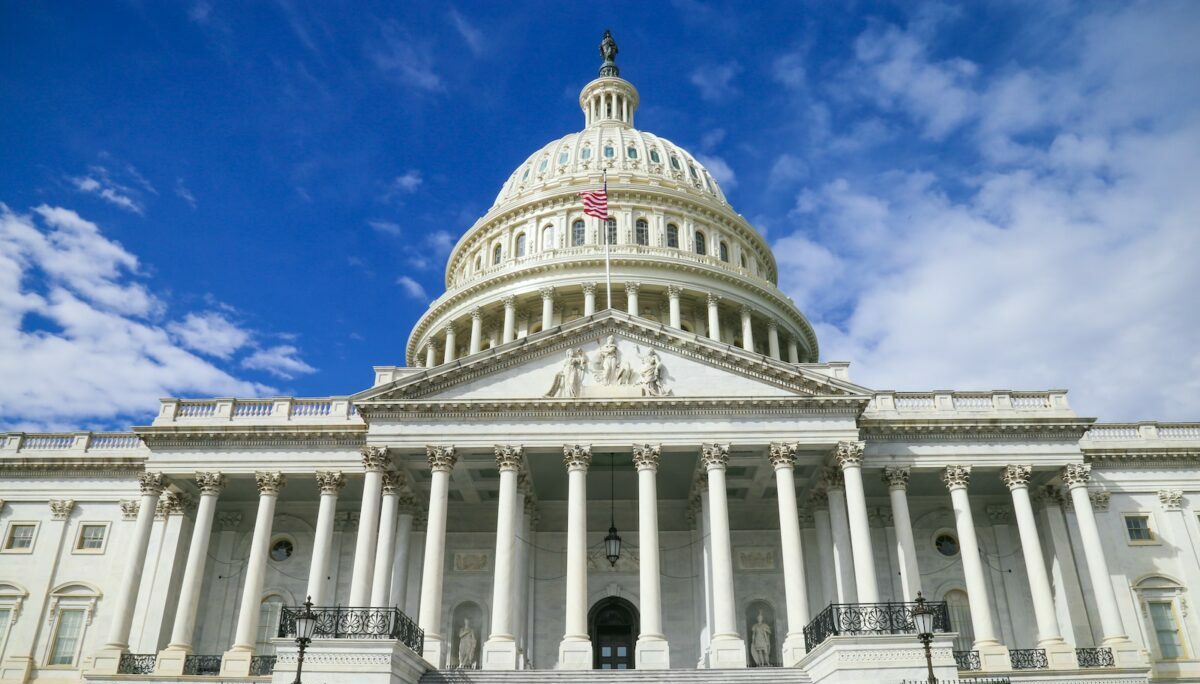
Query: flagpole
pixel 604 230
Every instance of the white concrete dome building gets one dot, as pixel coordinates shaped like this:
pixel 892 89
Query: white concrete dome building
pixel 679 254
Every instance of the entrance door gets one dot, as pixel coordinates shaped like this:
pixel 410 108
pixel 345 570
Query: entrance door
pixel 612 625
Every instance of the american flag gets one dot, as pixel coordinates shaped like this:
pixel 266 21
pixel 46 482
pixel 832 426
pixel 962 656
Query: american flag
pixel 595 202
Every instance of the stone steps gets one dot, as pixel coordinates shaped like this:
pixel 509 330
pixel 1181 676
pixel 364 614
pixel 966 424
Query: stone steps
pixel 748 676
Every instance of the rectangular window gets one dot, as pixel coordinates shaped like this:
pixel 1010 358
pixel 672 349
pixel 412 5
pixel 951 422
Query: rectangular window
pixel 20 537
pixel 1166 630
pixel 5 616
pixel 66 637
pixel 91 537
pixel 1138 528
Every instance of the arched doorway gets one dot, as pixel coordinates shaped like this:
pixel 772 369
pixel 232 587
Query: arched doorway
pixel 613 628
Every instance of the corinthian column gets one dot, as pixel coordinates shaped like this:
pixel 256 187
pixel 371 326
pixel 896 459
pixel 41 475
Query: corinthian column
pixel 652 651
pixel 236 661
pixel 589 299
pixel 896 480
pixel 783 459
pixel 451 344
pixel 170 661
pixel 849 456
pixel 385 548
pixel 476 331
pixel 747 329
pixel 575 651
pixel 673 293
pixel 773 339
pixel 151 485
pixel 330 483
pixel 441 462
pixel 375 460
pixel 714 317
pixel 839 528
pixel 727 648
pixel 631 297
pixel 510 319
pixel 500 650
pixel 992 654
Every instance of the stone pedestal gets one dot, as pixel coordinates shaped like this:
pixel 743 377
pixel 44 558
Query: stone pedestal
pixel 793 650
pixel 18 668
pixel 350 661
pixel 499 654
pixel 993 656
pixel 1127 654
pixel 652 653
pixel 870 659
pixel 170 661
pixel 105 661
pixel 236 662
pixel 435 651
pixel 726 652
pixel 575 654
pixel 1060 655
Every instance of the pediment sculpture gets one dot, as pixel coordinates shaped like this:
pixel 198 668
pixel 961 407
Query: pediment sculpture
pixel 606 373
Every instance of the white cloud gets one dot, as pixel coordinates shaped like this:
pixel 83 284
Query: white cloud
pixel 716 82
pixel 409 181
pixel 472 36
pixel 720 170
pixel 789 70
pixel 441 241
pixel 199 12
pixel 282 361
pixel 406 60
pixel 385 227
pixel 210 333
pixel 99 182
pixel 79 339
pixel 183 193
pixel 412 288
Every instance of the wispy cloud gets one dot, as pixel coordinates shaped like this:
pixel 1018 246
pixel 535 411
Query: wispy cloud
pixel 719 169
pixel 412 288
pixel 385 227
pixel 401 57
pixel 210 333
pixel 716 82
pixel 183 193
pixel 282 361
pixel 99 181
pixel 471 35
pixel 199 12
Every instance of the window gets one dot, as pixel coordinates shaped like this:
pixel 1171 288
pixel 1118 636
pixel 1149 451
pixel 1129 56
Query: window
pixel 65 643
pixel 5 617
pixel 946 544
pixel 673 235
pixel 548 237
pixel 960 616
pixel 544 164
pixel 282 549
pixel 1137 529
pixel 723 250
pixel 610 231
pixel 692 170
pixel 497 253
pixel 521 245
pixel 743 261
pixel 578 233
pixel 641 232
pixel 675 162
pixel 91 537
pixel 609 152
pixel 268 624
pixel 525 175
pixel 701 248
pixel 20 537
pixel 631 152
pixel 1166 630
pixel 478 262
pixel 654 156
pixel 585 152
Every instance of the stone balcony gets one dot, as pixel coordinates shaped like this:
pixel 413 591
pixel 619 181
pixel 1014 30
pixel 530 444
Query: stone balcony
pixel 68 443
pixel 267 411
pixel 939 405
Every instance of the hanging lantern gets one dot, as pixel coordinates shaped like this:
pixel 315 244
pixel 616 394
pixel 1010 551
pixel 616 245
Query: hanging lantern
pixel 612 543
pixel 612 546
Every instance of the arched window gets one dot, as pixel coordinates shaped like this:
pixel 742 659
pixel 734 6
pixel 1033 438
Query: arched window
pixel 631 152
pixel 1160 598
pixel 673 235
pixel 497 253
pixel 544 164
pixel 585 153
pixel 609 152
pixel 578 233
pixel 268 623
pixel 564 157
pixel 478 262
pixel 701 247
pixel 548 237
pixel 674 164
pixel 960 617
pixel 743 261
pixel 521 245
pixel 654 156
pixel 723 250
pixel 641 233
pixel 71 607
pixel 610 231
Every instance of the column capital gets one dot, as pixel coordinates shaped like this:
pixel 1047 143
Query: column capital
pixel 646 456
pixel 714 456
pixel 393 482
pixel 1171 499
pixel 896 477
pixel 130 508
pixel 1014 476
pixel 441 458
pixel 1076 474
pixel 589 288
pixel 746 310
pixel 772 324
pixel 331 481
pixel 849 454
pixel 833 478
pixel 446 329
pixel 713 299
pixel 632 287
pixel 782 455
pixel 546 292
pixel 674 291
pixel 477 314
pixel 1049 495
pixel 819 498
pixel 577 457
pixel 531 510
pixel 170 503
pixel 509 457
pixel 151 483
pixel 510 302
pixel 956 477
pixel 375 459
pixel 60 509
pixel 269 482
pixel 805 516
pixel 407 504
pixel 210 483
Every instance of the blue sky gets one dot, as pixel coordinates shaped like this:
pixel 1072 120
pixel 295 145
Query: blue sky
pixel 218 198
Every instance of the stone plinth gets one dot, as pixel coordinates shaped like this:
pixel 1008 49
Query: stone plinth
pixel 874 658
pixel 350 661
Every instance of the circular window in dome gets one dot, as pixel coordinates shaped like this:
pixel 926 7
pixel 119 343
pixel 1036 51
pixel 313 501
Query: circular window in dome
pixel 675 162
pixel 631 152
pixel 609 152
pixel 946 544
pixel 585 153
pixel 654 156
pixel 282 549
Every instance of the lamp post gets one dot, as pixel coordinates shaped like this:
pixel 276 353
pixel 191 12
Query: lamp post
pixel 922 618
pixel 306 626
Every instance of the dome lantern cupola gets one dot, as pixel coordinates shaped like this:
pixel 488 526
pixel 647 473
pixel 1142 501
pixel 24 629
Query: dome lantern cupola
pixel 609 99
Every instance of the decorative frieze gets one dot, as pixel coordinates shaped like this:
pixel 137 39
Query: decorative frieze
pixel 269 482
pixel 577 456
pixel 151 483
pixel 210 483
pixel 849 454
pixel 60 509
pixel 331 481
pixel 1171 499
pixel 782 455
pixel 956 476
pixel 896 477
pixel 714 455
pixel 509 457
pixel 646 456
pixel 441 458
pixel 1014 476
pixel 1076 474
pixel 375 459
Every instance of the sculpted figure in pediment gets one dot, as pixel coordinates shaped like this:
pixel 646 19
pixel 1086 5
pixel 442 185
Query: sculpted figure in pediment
pixel 569 380
pixel 651 376
pixel 607 368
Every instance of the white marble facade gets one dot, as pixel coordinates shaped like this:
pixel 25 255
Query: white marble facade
pixel 478 480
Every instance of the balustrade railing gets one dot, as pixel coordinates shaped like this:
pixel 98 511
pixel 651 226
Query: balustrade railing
pixel 1095 657
pixel 1028 658
pixel 137 663
pixel 262 666
pixel 202 665
pixel 972 680
pixel 968 660
pixel 49 442
pixel 357 623
pixel 870 618
pixel 253 409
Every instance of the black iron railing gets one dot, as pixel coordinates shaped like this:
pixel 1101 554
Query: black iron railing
pixel 358 623
pixel 1028 658
pixel 967 660
pixel 137 663
pixel 261 666
pixel 870 618
pixel 1095 657
pixel 202 665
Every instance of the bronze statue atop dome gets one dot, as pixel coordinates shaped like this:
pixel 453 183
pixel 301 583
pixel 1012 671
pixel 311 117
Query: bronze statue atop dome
pixel 608 52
